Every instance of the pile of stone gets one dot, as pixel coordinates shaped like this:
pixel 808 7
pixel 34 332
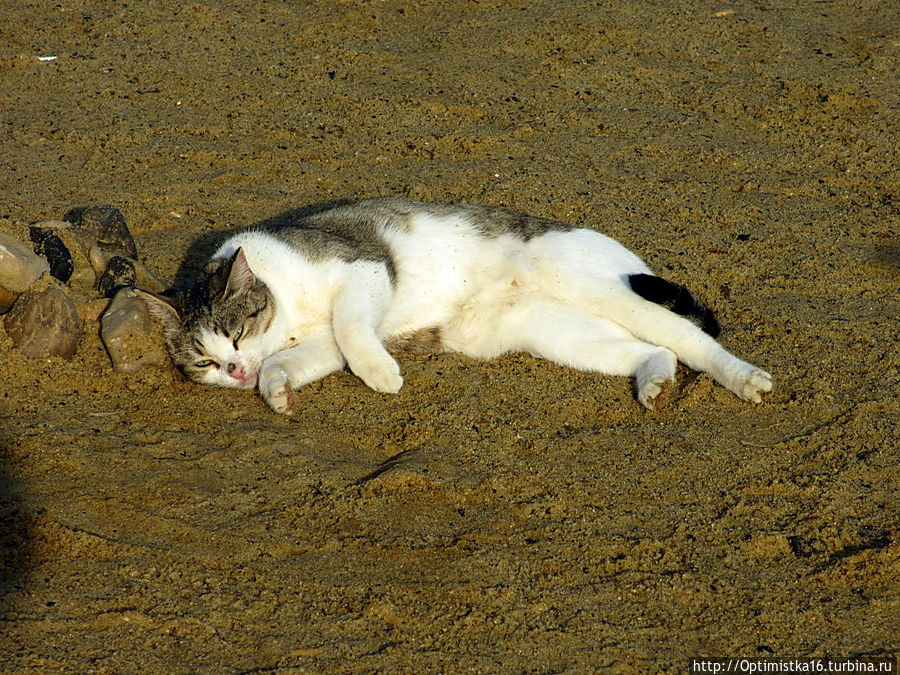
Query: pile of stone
pixel 66 276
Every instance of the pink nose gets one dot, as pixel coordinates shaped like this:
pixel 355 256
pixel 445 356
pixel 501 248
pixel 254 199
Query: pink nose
pixel 236 370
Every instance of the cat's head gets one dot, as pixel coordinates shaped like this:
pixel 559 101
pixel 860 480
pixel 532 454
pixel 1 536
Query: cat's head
pixel 215 330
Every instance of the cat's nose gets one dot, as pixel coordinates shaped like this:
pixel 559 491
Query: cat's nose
pixel 235 370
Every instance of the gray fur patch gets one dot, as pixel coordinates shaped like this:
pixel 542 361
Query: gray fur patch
pixel 353 231
pixel 424 341
pixel 348 233
pixel 493 222
pixel 490 221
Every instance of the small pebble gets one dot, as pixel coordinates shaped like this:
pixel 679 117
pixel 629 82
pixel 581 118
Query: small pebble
pixel 44 324
pixel 19 268
pixel 119 273
pixel 54 251
pixel 132 339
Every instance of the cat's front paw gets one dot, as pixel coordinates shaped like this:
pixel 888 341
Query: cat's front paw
pixel 382 376
pixel 275 388
pixel 755 383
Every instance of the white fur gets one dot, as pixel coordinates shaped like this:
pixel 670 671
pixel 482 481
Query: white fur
pixel 562 296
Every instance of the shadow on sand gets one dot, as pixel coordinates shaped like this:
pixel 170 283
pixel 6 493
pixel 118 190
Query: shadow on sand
pixel 15 526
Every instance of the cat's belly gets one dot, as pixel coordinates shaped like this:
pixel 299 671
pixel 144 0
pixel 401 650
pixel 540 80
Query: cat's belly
pixel 449 276
pixel 483 326
pixel 473 324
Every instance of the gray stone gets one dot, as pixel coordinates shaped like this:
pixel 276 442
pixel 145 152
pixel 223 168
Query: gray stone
pixel 132 339
pixel 44 323
pixel 19 268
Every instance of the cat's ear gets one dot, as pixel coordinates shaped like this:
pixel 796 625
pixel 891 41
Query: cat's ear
pixel 161 307
pixel 239 276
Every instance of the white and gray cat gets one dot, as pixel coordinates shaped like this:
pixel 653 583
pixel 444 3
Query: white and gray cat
pixel 279 307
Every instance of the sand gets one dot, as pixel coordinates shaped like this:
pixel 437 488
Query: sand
pixel 505 516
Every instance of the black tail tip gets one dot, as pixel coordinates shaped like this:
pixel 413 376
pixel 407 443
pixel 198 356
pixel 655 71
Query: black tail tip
pixel 676 299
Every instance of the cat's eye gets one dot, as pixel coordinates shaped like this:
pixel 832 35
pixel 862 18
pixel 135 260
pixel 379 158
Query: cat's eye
pixel 237 336
pixel 206 363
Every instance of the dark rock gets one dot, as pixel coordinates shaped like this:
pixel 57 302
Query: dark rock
pixel 105 225
pixel 52 248
pixel 44 324
pixel 119 273
pixel 83 276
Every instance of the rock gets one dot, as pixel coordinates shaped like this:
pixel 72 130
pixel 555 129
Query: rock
pixel 7 298
pixel 144 277
pixel 78 245
pixel 19 268
pixel 119 273
pixel 104 226
pixel 131 337
pixel 54 251
pixel 44 324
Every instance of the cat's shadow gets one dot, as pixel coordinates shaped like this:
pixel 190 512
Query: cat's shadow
pixel 202 248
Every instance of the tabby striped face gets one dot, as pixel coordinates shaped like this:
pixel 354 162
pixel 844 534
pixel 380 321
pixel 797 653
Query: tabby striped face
pixel 215 330
pixel 223 347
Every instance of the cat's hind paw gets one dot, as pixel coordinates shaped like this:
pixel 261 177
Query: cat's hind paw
pixel 655 379
pixel 275 388
pixel 654 393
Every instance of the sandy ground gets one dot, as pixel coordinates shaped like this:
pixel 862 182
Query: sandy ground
pixel 510 516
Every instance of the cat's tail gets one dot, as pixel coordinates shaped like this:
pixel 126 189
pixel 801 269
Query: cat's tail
pixel 676 299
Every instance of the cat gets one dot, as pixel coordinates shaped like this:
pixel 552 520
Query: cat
pixel 282 306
